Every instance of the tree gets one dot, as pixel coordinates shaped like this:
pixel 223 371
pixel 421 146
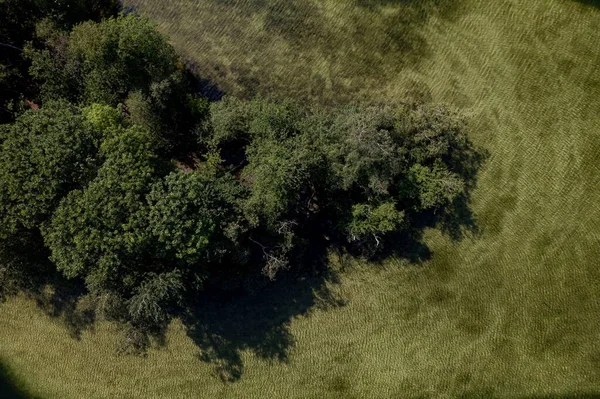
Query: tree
pixel 103 62
pixel 149 305
pixel 18 21
pixel 172 111
pixel 359 174
pixel 99 232
pixel 282 167
pixel 142 232
pixel 121 60
pixel 196 219
pixel 373 221
pixel 43 156
pixel 393 165
pixel 271 185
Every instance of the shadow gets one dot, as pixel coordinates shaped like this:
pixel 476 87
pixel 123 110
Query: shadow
pixel 61 299
pixel 25 268
pixel 300 21
pixel 407 244
pixel 205 87
pixel 254 316
pixel 594 3
pixel 224 324
pixel 9 389
pixel 458 220
pixel 209 90
pixel 411 247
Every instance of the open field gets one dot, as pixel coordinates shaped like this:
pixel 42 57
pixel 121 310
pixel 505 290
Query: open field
pixel 510 312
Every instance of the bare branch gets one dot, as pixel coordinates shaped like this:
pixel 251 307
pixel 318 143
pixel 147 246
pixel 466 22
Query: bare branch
pixel 11 46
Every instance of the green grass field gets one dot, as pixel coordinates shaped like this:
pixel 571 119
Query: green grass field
pixel 511 312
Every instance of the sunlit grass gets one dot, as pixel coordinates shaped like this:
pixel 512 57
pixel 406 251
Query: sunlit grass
pixel 511 313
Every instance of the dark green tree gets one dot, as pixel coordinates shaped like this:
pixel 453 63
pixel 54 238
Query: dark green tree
pixel 196 219
pixel 103 62
pixel 121 60
pixel 149 194
pixel 18 20
pixel 99 232
pixel 44 155
pixel 358 173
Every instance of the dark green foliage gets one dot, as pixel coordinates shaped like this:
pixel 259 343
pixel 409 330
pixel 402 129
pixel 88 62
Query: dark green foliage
pixel 99 232
pixel 24 264
pixel 18 19
pixel 265 146
pixel 121 60
pixel 170 110
pixel 259 187
pixel 71 12
pixel 103 62
pixel 17 24
pixel 356 174
pixel 372 220
pixel 281 164
pixel 195 217
pixel 45 154
pixel 133 231
pixel 153 297
pixel 392 166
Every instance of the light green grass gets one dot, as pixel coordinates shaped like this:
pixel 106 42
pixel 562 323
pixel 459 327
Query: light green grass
pixel 513 313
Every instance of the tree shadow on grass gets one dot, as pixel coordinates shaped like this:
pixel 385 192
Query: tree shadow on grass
pixel 61 299
pixel 255 317
pixel 9 389
pixel 304 22
pixel 457 221
pixel 223 325
pixel 25 268
pixel 409 244
pixel 595 3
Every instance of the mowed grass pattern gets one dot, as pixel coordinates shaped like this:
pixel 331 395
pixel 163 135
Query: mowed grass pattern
pixel 512 312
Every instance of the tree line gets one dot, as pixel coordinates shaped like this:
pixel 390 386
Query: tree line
pixel 131 182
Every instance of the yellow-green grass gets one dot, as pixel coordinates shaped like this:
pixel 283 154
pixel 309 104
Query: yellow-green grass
pixel 513 312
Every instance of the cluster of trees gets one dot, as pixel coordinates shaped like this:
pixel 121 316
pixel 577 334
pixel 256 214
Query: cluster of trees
pixel 18 22
pixel 148 193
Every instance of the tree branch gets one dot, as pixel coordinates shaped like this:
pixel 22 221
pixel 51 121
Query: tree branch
pixel 11 46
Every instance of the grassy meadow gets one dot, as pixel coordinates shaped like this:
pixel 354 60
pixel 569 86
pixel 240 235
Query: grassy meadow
pixel 511 311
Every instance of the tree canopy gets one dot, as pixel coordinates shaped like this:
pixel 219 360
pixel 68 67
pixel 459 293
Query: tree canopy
pixel 45 154
pixel 18 21
pixel 103 62
pixel 147 193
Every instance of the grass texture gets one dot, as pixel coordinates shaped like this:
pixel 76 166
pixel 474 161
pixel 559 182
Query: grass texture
pixel 512 311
